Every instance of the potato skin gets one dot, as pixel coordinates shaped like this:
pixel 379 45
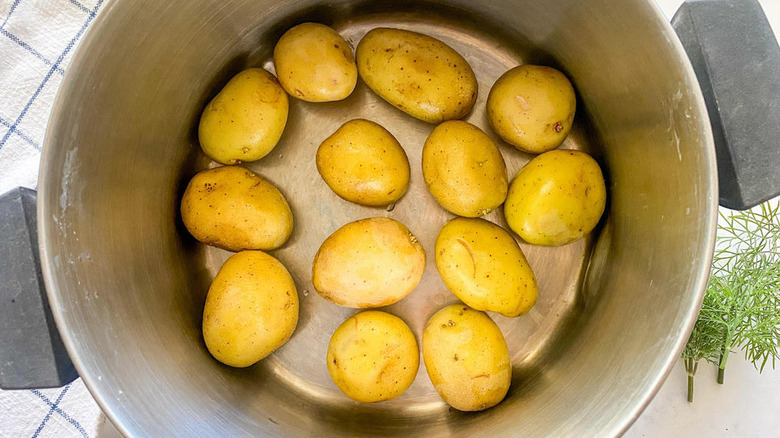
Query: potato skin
pixel 363 163
pixel 417 74
pixel 484 267
pixel 314 63
pixel 373 356
pixel 532 108
pixel 463 169
pixel 368 263
pixel 557 198
pixel 245 120
pixel 251 309
pixel 235 209
pixel 467 358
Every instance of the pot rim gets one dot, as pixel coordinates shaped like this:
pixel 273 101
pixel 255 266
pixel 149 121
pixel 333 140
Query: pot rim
pixel 48 252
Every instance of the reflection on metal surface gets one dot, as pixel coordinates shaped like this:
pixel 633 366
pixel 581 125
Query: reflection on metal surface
pixel 586 358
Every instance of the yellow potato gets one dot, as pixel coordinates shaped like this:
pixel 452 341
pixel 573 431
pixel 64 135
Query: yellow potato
pixel 368 263
pixel 314 63
pixel 557 198
pixel 363 163
pixel 245 120
pixel 417 74
pixel 532 108
pixel 235 209
pixel 251 309
pixel 463 169
pixel 373 356
pixel 483 266
pixel 467 358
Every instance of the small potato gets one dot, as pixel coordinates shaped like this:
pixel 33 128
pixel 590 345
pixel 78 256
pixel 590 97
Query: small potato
pixel 532 108
pixel 363 163
pixel 314 63
pixel 368 263
pixel 483 266
pixel 373 356
pixel 245 120
pixel 463 169
pixel 467 358
pixel 251 309
pixel 557 198
pixel 235 209
pixel 417 74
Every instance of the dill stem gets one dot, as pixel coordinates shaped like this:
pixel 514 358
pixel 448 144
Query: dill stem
pixel 690 369
pixel 690 388
pixel 722 364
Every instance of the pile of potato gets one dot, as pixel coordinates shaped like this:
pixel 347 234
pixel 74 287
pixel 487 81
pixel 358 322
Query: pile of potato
pixel 252 306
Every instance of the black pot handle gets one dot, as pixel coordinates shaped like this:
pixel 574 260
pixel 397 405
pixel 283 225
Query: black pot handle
pixel 737 61
pixel 31 351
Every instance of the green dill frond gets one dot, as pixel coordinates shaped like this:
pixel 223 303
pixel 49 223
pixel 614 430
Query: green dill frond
pixel 741 308
pixel 706 339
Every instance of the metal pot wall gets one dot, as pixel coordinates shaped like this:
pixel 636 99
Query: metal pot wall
pixel 127 283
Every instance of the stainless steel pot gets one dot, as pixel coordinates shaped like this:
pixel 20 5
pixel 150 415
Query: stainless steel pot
pixel 127 283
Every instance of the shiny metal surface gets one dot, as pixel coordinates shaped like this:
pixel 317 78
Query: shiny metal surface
pixel 127 283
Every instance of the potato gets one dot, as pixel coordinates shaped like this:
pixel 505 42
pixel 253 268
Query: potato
pixel 363 163
pixel 368 263
pixel 557 198
pixel 235 209
pixel 467 358
pixel 463 169
pixel 245 120
pixel 251 309
pixel 417 74
pixel 532 108
pixel 314 63
pixel 483 266
pixel 373 356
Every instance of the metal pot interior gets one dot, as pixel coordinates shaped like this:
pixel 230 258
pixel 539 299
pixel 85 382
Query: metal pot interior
pixel 127 283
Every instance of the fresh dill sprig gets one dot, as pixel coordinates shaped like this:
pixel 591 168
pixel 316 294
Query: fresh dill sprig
pixel 705 342
pixel 741 309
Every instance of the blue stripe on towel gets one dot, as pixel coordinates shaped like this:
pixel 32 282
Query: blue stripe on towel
pixel 34 52
pixel 10 11
pixel 21 135
pixel 51 411
pixel 62 413
pixel 82 7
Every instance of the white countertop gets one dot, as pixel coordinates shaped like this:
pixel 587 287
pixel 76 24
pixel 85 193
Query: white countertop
pixel 746 405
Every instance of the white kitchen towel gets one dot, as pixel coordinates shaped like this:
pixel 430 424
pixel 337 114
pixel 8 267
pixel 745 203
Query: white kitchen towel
pixel 63 412
pixel 37 41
